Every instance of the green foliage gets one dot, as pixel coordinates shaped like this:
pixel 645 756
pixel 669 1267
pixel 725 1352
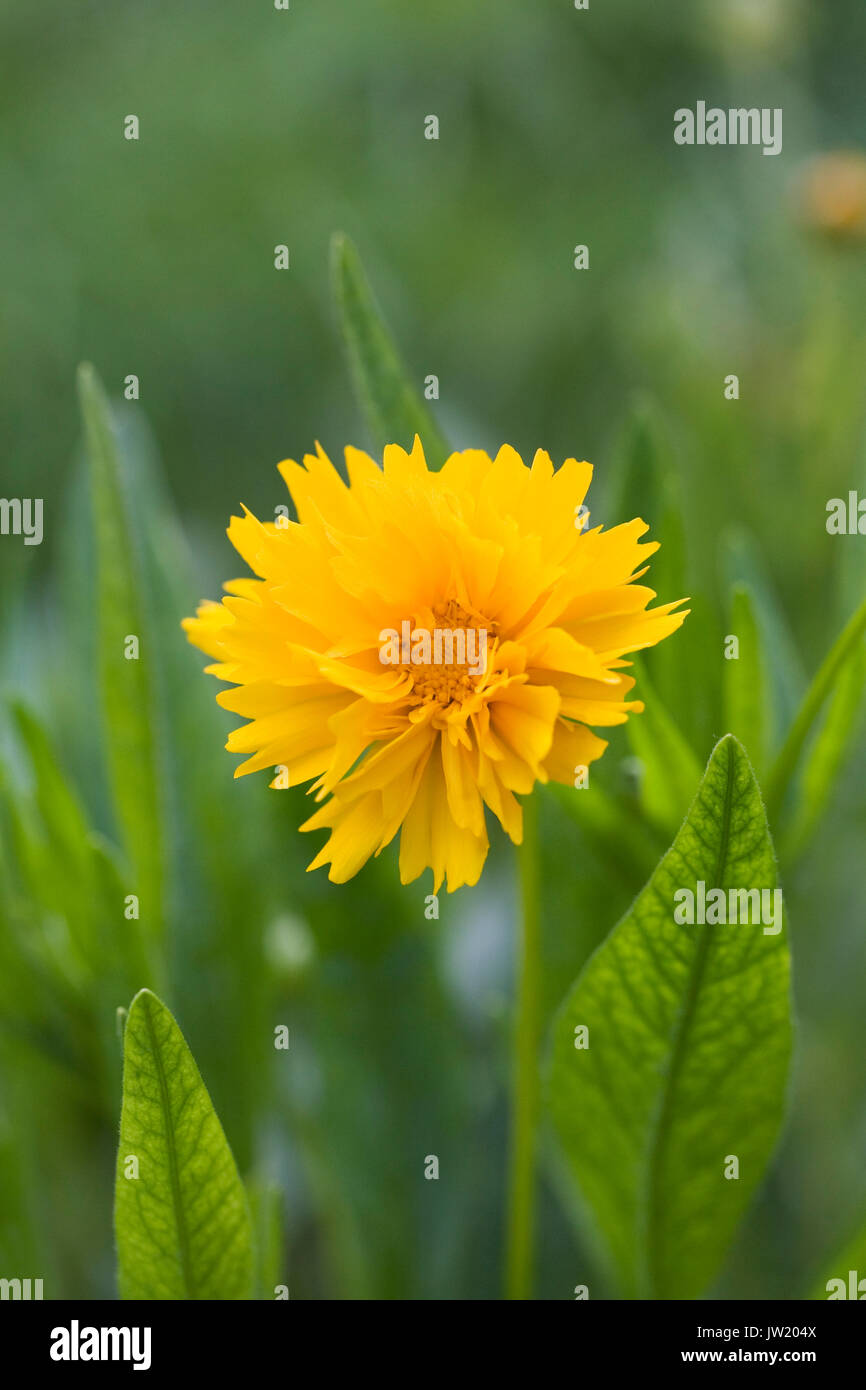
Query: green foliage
pixel 265 1203
pixel 127 678
pixel 845 654
pixel 744 565
pixel 111 771
pixel 744 694
pixel 182 1221
pixel 689 1038
pixel 392 406
pixel 646 483
pixel 850 1256
pixel 825 760
pixel 669 769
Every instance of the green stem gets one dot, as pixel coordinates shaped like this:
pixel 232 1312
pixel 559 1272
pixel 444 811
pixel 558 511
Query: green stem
pixel 525 1081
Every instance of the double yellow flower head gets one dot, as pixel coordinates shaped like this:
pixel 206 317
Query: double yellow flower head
pixel 421 645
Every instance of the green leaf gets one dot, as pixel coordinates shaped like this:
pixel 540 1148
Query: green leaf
pixel 843 651
pixel 689 1046
pixel 824 758
pixel 128 685
pixel 266 1210
pixel 182 1226
pixel 744 678
pixel 743 563
pixel 394 411
pixel 670 769
pixel 647 485
pixel 59 865
pixel 61 814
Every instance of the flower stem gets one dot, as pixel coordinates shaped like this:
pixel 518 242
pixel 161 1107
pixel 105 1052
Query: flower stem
pixel 525 1095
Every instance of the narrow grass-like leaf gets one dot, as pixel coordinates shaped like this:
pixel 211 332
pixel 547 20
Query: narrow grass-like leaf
pixel 844 650
pixel 646 484
pixel 744 678
pixel 689 1038
pixel 671 771
pixel 127 680
pixel 393 408
pixel 824 758
pixel 182 1222
pixel 59 864
pixel 266 1201
pixel 62 815
pixel 743 563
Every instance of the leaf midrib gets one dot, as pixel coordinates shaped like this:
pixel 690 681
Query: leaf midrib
pixel 661 1128
pixel 173 1167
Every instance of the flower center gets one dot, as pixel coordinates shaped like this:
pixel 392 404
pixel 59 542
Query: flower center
pixel 449 659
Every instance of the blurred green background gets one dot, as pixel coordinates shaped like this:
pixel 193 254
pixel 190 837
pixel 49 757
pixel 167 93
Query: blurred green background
pixel 156 257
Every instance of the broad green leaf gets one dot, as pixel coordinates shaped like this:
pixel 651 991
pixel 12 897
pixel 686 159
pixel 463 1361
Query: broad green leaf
pixel 850 1257
pixel 826 754
pixel 744 678
pixel 182 1225
pixel 670 769
pixel 844 650
pixel 128 683
pixel 689 1040
pixel 393 408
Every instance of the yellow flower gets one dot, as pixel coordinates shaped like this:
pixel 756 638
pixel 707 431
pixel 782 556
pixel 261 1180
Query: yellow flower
pixel 425 645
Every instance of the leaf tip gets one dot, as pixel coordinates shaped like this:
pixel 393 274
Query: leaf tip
pixel 143 995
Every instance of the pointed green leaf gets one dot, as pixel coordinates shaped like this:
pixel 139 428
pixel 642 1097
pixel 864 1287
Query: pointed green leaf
pixel 689 1039
pixel 843 651
pixel 393 408
pixel 182 1222
pixel 744 678
pixel 825 757
pixel 61 813
pixel 128 682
